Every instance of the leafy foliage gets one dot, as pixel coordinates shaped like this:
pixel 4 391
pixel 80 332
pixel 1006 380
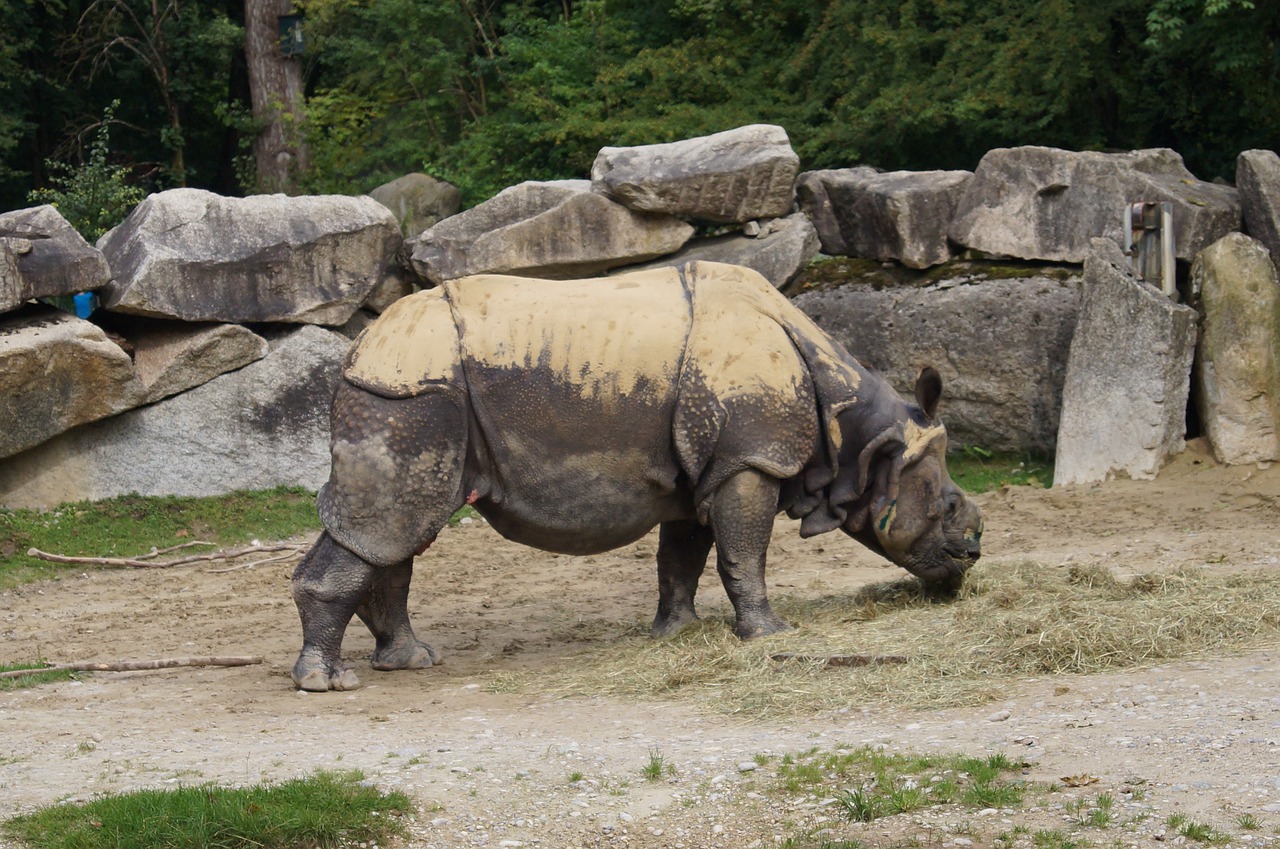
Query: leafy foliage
pixel 487 93
pixel 97 195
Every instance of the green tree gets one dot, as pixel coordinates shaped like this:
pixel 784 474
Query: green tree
pixel 1216 72
pixel 181 48
pixel 95 196
pixel 936 83
pixel 392 83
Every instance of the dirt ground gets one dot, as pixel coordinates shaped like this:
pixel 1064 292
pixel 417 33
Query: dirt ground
pixel 508 769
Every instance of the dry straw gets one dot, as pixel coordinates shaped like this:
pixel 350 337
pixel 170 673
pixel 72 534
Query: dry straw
pixel 1013 620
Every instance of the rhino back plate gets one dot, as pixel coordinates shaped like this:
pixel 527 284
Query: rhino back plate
pixel 411 348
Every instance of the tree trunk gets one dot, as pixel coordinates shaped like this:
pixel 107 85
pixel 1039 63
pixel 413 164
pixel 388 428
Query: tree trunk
pixel 275 86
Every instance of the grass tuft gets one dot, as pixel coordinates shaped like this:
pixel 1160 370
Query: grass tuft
pixel 328 809
pixel 23 681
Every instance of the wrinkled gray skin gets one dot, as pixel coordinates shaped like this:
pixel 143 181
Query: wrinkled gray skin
pixel 904 508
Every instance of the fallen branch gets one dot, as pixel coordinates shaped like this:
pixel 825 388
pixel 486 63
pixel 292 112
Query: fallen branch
pixel 133 665
pixel 279 558
pixel 144 561
pixel 842 659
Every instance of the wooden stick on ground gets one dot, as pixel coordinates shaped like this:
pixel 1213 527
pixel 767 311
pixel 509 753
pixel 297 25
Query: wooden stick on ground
pixel 134 665
pixel 144 561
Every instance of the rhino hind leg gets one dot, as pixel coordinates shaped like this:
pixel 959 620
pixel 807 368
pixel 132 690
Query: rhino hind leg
pixel 385 612
pixel 742 513
pixel 682 555
pixel 328 586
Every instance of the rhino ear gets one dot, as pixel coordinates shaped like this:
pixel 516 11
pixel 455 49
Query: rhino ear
pixel 928 391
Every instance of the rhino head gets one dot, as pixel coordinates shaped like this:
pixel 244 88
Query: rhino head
pixel 893 492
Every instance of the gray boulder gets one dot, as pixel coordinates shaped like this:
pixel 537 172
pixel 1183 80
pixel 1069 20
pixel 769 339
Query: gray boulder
pixel 397 284
pixel 175 356
pixel 197 256
pixel 1238 364
pixel 1258 179
pixel 901 216
pixel 1047 204
pixel 553 229
pixel 730 177
pixel 418 201
pixel 41 256
pixel 56 372
pixel 779 251
pixel 1000 345
pixel 263 426
pixel 1124 403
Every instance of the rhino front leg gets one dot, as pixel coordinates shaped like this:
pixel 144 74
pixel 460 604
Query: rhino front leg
pixel 328 586
pixel 682 555
pixel 386 613
pixel 742 515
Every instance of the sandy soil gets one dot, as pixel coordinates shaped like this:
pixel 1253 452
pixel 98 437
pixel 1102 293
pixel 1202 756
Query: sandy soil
pixel 495 769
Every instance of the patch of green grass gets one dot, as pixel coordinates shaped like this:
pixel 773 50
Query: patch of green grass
pixel 575 777
pixel 131 525
pixel 975 469
pixel 1248 822
pixel 1047 838
pixel 882 783
pixel 1197 831
pixel 657 766
pixel 23 681
pixel 328 809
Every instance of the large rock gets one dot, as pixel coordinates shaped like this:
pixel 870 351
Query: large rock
pixel 197 256
pixel 779 251
pixel 56 372
pixel 1000 345
pixel 1047 204
pixel 175 357
pixel 1124 403
pixel 1258 179
pixel 41 256
pixel 1238 363
pixel 552 229
pixel 263 426
pixel 901 216
pixel 730 177
pixel 418 201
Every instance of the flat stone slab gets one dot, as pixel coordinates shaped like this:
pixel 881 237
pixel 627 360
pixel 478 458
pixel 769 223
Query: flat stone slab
pixel 42 256
pixel 731 177
pixel 558 229
pixel 197 256
pixel 1000 345
pixel 1124 403
pixel 1042 203
pixel 57 372
pixel 175 357
pixel 263 426
pixel 779 251
pixel 1237 396
pixel 899 216
pixel 1258 179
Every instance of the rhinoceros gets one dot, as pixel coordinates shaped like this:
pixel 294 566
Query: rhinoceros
pixel 577 415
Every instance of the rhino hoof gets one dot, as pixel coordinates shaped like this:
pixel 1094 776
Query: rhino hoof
pixel 415 655
pixel 671 625
pixel 750 631
pixel 320 681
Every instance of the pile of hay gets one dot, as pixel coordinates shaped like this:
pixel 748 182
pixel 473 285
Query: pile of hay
pixel 1012 621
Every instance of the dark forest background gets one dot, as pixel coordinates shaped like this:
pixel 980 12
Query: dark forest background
pixel 487 94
